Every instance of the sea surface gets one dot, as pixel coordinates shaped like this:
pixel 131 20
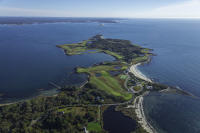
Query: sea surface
pixel 29 60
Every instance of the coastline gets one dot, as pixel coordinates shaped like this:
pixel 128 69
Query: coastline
pixel 133 69
pixel 138 102
pixel 6 104
pixel 139 110
pixel 42 93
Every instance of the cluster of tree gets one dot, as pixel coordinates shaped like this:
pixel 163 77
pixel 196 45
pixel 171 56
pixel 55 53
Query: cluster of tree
pixel 64 122
pixel 122 47
pixel 19 117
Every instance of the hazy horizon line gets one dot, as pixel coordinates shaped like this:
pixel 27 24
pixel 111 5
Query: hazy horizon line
pixel 104 17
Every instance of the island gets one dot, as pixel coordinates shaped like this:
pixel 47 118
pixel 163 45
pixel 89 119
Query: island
pixel 39 20
pixel 77 109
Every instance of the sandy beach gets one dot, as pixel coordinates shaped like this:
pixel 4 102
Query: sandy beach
pixel 138 102
pixel 138 105
pixel 137 73
pixel 5 104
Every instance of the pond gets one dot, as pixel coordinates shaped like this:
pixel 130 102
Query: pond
pixel 116 122
pixel 114 73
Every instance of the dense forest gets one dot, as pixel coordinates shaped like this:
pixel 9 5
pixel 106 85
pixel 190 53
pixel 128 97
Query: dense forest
pixel 41 114
pixel 122 47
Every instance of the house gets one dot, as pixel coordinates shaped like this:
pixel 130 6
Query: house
pixel 149 87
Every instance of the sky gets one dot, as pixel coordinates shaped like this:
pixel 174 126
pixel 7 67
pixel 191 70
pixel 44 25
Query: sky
pixel 102 8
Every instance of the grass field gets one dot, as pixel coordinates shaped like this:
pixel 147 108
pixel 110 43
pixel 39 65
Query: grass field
pixel 123 77
pixel 80 48
pixel 96 69
pixel 140 59
pixel 113 54
pixel 110 84
pixel 73 49
pixel 137 88
pixel 94 127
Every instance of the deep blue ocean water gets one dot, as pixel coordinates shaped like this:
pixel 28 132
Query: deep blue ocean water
pixel 30 59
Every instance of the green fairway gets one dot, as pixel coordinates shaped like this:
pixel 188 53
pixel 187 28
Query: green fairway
pixel 75 48
pixel 110 84
pixel 94 127
pixel 140 59
pixel 123 77
pixel 96 69
pixel 113 54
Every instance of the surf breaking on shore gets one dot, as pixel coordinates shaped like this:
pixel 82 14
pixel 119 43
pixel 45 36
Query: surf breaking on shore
pixel 137 73
pixel 139 110
pixel 138 102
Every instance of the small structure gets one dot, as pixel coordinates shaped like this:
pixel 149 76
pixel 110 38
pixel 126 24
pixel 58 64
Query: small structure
pixel 98 98
pixel 126 71
pixel 149 87
pixel 85 130
pixel 61 113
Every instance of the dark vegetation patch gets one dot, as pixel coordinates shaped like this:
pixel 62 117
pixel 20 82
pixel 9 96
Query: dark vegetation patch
pixel 98 74
pixel 122 47
pixel 20 117
pixel 115 73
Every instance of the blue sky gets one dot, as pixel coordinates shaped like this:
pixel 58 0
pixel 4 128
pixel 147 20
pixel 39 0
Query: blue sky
pixel 102 8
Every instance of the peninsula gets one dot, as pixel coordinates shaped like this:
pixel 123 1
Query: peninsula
pixel 80 109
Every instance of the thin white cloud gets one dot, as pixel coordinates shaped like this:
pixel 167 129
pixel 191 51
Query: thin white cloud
pixel 188 9
pixel 7 11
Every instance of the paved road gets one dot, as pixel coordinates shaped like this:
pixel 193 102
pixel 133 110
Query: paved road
pixel 131 90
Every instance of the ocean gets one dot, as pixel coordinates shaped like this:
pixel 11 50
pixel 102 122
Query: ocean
pixel 30 60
